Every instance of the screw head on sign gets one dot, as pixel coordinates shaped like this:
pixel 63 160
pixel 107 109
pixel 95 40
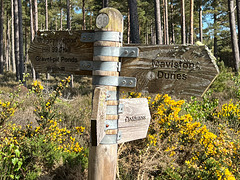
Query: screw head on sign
pixel 126 52
pixel 124 82
pixel 132 52
pixel 131 82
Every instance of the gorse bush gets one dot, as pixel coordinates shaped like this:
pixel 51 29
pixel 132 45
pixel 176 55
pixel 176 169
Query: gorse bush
pixel 199 139
pixel 29 152
pixel 179 147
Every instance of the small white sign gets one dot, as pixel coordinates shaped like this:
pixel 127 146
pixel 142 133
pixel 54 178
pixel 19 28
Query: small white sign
pixel 133 123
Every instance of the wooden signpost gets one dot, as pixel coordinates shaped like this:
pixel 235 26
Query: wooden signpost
pixel 61 51
pixel 178 70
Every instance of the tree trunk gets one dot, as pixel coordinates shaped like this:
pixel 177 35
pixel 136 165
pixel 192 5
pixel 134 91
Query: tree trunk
pixel 26 45
pixel 158 22
pixel 13 39
pixel 46 14
pixel 83 12
pixel 1 37
pixel 105 3
pixel 183 24
pixel 32 33
pixel 16 37
pixel 238 20
pixel 46 25
pixel 31 20
pixel 35 74
pixel 68 15
pixel 200 23
pixel 21 59
pixel 56 24
pixel 233 35
pixel 172 24
pixel 146 34
pixel 191 21
pixel 166 32
pixel 60 15
pixel 35 16
pixel 153 37
pixel 128 27
pixel 69 28
pixel 8 64
pixel 134 25
pixel 215 40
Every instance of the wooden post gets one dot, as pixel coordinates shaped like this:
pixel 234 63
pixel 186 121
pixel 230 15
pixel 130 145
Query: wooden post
pixel 103 158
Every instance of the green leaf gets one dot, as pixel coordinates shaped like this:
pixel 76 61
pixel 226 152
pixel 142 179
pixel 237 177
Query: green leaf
pixel 20 164
pixel 14 161
pixel 11 176
pixel 17 152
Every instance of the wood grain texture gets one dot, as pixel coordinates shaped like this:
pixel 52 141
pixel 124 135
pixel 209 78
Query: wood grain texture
pixel 60 52
pixel 98 115
pixel 103 158
pixel 133 123
pixel 102 162
pixel 178 70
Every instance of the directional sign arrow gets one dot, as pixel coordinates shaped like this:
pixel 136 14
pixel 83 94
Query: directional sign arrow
pixel 178 70
pixel 61 51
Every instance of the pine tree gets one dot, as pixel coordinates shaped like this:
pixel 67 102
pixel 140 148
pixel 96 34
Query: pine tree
pixel 1 37
pixel 191 21
pixel 21 56
pixel 158 22
pixel 183 24
pixel 134 25
pixel 235 48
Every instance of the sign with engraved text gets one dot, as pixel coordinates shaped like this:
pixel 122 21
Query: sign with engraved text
pixel 60 52
pixel 178 70
pixel 134 121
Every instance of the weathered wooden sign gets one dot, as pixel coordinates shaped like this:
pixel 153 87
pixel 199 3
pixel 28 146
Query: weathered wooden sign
pixel 178 70
pixel 61 51
pixel 98 115
pixel 132 124
pixel 134 121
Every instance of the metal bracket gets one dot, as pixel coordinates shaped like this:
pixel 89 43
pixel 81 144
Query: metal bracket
pixel 116 51
pixel 111 138
pixel 114 81
pixel 100 65
pixel 120 108
pixel 114 110
pixel 111 96
pixel 101 36
pixel 119 135
pixel 111 124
